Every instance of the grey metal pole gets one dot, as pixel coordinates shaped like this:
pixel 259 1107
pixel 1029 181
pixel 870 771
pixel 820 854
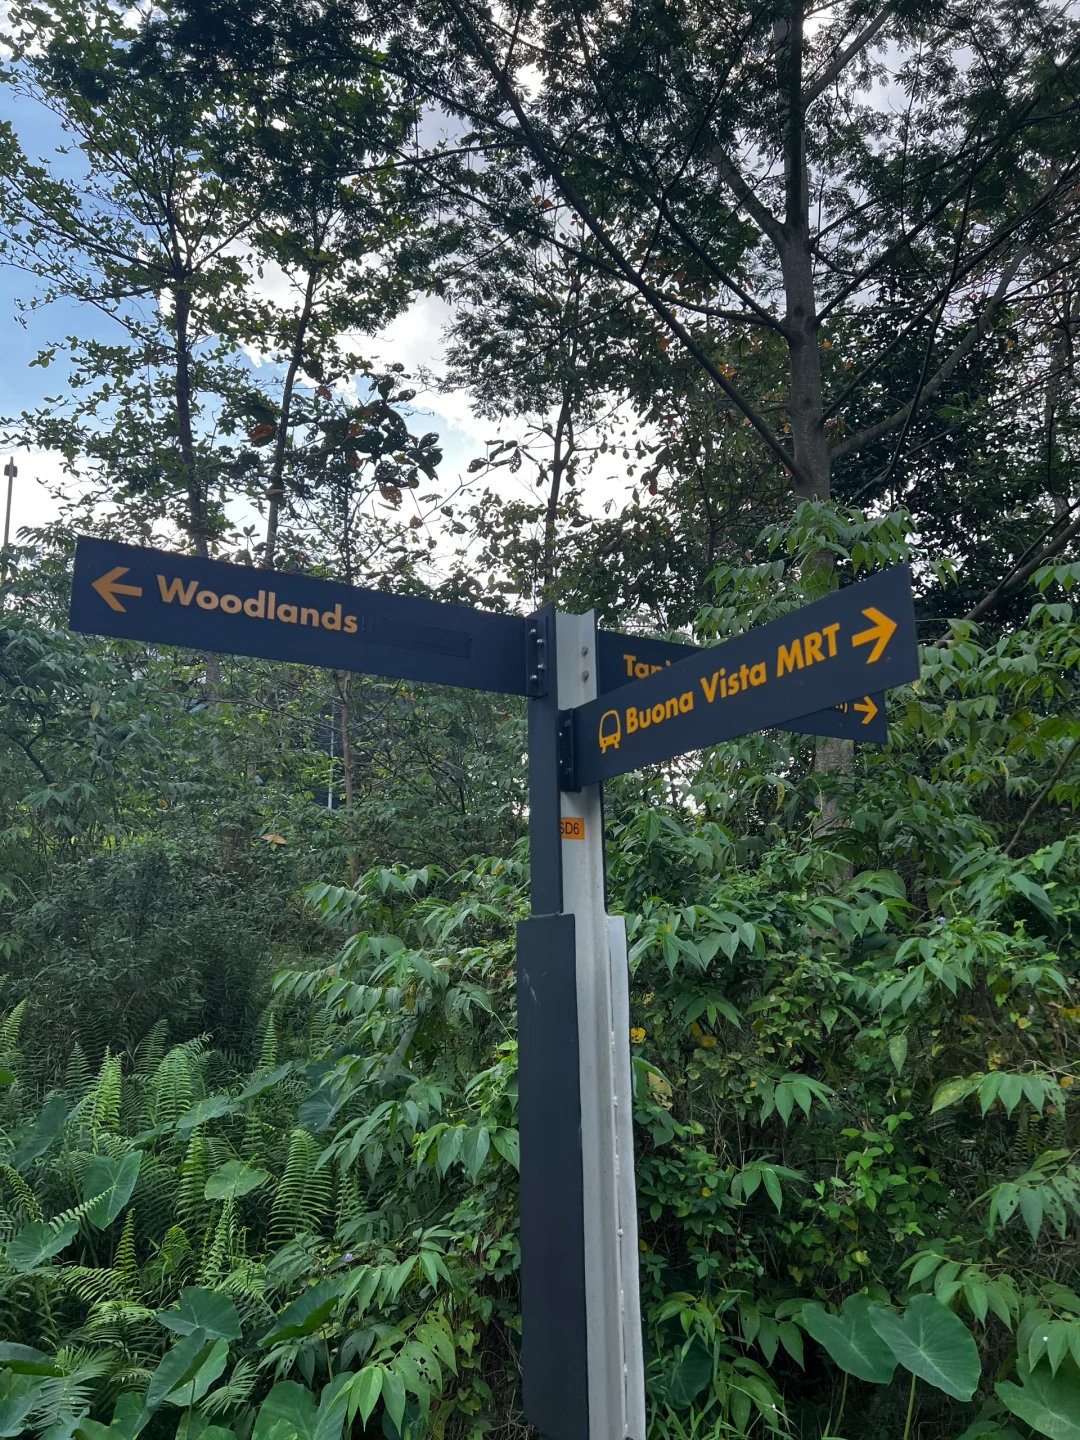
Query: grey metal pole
pixel 10 470
pixel 612 1295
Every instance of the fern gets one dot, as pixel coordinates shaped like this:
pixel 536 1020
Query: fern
pixel 124 1262
pixel 77 1076
pixel 268 1049
pixel 235 1392
pixel 101 1108
pixel 151 1051
pixel 26 1204
pixel 303 1193
pixel 10 1057
pixel 219 1251
pixel 191 1206
pixel 174 1083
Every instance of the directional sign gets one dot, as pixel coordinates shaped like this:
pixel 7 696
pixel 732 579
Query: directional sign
pixel 140 594
pixel 626 658
pixel 838 649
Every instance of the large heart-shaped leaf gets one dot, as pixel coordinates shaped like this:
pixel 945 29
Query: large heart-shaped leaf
pixel 189 1391
pixel 289 1411
pixel 41 1134
pixel 209 1109
pixel 112 1183
pixel 850 1340
pixel 202 1309
pixel 305 1315
pixel 232 1180
pixel 931 1342
pixel 37 1242
pixel 265 1082
pixel 18 1394
pixel 690 1373
pixel 178 1367
pixel 1049 1403
pixel 25 1360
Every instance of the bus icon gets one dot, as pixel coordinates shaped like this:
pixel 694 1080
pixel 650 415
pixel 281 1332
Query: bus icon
pixel 610 734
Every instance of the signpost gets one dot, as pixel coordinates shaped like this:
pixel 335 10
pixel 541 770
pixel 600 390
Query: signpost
pixel 600 705
pixel 818 656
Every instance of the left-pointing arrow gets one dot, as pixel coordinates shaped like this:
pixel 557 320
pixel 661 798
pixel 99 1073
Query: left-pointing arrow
pixel 108 589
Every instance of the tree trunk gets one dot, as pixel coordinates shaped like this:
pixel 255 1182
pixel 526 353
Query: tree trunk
pixel 196 505
pixel 805 404
pixel 559 458
pixel 275 492
pixel 343 683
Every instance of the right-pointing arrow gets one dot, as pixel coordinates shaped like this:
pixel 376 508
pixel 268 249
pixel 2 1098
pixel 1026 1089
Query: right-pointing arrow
pixel 866 707
pixel 882 631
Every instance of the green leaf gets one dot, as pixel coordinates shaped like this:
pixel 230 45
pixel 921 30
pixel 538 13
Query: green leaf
pixel 178 1367
pixel 18 1395
pixel 287 1413
pixel 112 1182
pixel 850 1341
pixel 365 1391
pixel 690 1373
pixel 193 1389
pixel 933 1343
pixel 1047 1402
pixel 949 1093
pixel 41 1134
pixel 232 1180
pixel 208 1109
pixel 304 1315
pixel 202 1309
pixel 898 1051
pixel 25 1360
pixel 265 1082
pixel 37 1242
pixel 7 1077
pixel 393 1390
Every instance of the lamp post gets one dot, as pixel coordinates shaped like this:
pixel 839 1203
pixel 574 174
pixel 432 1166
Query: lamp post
pixel 10 470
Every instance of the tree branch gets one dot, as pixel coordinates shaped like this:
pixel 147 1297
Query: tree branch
pixel 936 382
pixel 569 191
pixel 1043 793
pixel 839 64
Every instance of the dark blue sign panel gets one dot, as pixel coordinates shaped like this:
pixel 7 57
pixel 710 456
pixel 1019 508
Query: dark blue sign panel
pixel 138 594
pixel 855 641
pixel 626 658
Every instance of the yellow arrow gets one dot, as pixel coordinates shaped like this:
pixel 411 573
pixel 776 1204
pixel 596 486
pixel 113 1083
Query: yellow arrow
pixel 108 589
pixel 866 707
pixel 882 631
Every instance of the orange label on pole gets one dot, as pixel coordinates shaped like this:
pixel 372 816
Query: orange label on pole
pixel 572 828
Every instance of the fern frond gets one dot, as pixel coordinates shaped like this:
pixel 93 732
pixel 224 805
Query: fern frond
pixel 303 1194
pixel 173 1083
pixel 235 1392
pixel 90 1284
pixel 101 1109
pixel 124 1261
pixel 151 1049
pixel 268 1048
pixel 25 1200
pixel 9 1036
pixel 77 1076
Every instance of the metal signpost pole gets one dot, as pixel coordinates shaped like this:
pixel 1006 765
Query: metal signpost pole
pixel 581 1317
pixel 612 1300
